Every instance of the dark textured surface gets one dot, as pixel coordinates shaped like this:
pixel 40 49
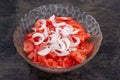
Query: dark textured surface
pixel 104 66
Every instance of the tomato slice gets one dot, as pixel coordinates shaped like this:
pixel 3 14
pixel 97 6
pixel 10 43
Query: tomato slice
pixel 33 56
pixel 41 59
pixel 78 55
pixel 89 48
pixel 67 62
pixel 28 46
pixel 52 55
pixel 52 63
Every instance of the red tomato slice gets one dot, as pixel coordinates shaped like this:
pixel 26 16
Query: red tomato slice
pixel 67 62
pixel 89 48
pixel 79 56
pixel 52 63
pixel 33 56
pixel 41 59
pixel 28 46
pixel 52 55
pixel 29 35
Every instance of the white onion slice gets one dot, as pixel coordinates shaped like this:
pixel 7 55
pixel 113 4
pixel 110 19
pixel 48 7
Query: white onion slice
pixel 54 37
pixel 54 46
pixel 72 49
pixel 59 24
pixel 52 19
pixel 62 53
pixel 67 30
pixel 67 42
pixel 44 51
pixel 75 43
pixel 62 45
pixel 75 32
pixel 38 35
pixel 34 29
pixel 45 32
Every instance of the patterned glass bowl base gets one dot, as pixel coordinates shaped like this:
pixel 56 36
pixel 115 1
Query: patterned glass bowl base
pixel 45 11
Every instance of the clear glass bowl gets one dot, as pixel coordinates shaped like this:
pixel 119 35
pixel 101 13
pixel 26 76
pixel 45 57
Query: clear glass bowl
pixel 45 11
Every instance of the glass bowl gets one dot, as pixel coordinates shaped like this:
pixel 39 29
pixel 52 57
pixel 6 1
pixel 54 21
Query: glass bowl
pixel 45 11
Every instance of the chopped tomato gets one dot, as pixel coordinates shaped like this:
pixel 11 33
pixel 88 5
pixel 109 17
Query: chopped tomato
pixel 67 62
pixel 78 55
pixel 52 55
pixel 33 56
pixel 52 63
pixel 56 36
pixel 28 46
pixel 89 48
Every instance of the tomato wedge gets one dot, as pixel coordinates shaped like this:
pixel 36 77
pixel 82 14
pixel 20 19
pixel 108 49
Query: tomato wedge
pixel 89 48
pixel 28 46
pixel 67 62
pixel 33 56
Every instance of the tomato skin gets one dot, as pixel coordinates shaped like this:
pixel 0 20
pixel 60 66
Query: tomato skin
pixel 67 62
pixel 89 48
pixel 78 55
pixel 52 55
pixel 52 63
pixel 41 59
pixel 33 56
pixel 28 46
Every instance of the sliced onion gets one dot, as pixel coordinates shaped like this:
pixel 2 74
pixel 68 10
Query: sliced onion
pixel 44 51
pixel 38 35
pixel 55 37
pixel 62 53
pixel 75 43
pixel 45 32
pixel 43 24
pixel 59 24
pixel 54 46
pixel 72 49
pixel 62 45
pixel 34 29
pixel 52 18
pixel 67 30
pixel 67 42
pixel 58 30
pixel 75 32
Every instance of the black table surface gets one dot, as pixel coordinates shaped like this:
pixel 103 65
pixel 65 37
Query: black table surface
pixel 104 66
